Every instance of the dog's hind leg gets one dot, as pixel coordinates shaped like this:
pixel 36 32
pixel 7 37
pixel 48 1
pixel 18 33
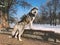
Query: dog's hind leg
pixel 14 31
pixel 16 35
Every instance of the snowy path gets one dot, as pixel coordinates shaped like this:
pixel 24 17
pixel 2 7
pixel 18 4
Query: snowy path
pixel 45 27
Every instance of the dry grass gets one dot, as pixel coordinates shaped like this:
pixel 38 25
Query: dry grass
pixel 5 40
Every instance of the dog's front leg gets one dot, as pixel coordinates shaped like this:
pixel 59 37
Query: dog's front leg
pixel 30 25
pixel 20 37
pixel 20 33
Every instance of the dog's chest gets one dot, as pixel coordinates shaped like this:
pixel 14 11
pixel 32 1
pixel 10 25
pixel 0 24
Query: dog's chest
pixel 33 18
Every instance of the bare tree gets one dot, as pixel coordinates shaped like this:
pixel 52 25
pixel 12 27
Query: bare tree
pixel 25 4
pixel 49 6
pixel 8 8
pixel 53 6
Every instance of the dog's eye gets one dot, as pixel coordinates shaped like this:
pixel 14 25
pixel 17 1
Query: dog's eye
pixel 35 12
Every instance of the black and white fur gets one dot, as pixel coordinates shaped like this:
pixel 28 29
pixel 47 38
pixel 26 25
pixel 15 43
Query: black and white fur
pixel 28 19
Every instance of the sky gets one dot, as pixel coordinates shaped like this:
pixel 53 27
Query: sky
pixel 34 3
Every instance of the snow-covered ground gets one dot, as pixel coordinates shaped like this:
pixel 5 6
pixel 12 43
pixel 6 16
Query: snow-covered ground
pixel 44 27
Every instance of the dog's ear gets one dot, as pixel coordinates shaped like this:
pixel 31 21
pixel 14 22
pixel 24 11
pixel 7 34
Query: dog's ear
pixel 35 8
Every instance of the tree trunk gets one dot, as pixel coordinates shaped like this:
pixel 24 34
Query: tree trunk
pixel 3 20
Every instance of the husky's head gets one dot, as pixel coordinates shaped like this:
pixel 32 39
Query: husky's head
pixel 34 11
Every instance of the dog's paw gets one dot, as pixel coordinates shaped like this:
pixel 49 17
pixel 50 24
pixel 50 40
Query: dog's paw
pixel 16 37
pixel 20 39
pixel 31 28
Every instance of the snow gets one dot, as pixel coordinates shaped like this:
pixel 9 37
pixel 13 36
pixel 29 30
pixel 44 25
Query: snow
pixel 45 27
pixel 12 25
